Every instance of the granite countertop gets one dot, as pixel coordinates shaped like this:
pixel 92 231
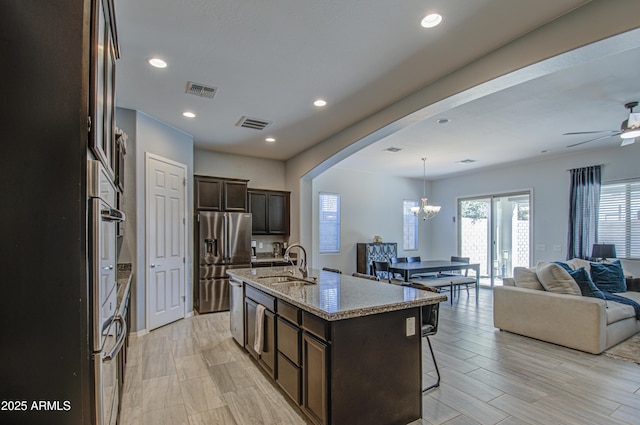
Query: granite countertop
pixel 336 296
pixel 123 282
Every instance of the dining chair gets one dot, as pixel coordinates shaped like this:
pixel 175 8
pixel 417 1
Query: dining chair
pixel 381 270
pixel 365 276
pixel 394 260
pixel 460 278
pixel 398 260
pixel 329 269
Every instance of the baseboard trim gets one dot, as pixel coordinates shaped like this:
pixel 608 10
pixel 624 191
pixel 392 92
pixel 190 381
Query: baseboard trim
pixel 139 333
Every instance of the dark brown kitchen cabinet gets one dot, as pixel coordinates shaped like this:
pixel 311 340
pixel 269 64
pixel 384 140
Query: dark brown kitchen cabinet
pixel 220 194
pixel 259 212
pixel 102 110
pixel 270 211
pixel 289 337
pixel 266 359
pixel 315 381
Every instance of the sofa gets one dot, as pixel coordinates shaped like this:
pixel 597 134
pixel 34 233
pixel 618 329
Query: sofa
pixel 527 307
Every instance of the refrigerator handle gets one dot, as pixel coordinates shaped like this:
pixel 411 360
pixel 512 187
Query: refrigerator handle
pixel 118 345
pixel 226 237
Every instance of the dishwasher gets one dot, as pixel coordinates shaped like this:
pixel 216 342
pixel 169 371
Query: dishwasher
pixel 236 307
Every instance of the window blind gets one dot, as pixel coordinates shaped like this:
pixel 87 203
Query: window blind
pixel 409 225
pixel 329 231
pixel 619 218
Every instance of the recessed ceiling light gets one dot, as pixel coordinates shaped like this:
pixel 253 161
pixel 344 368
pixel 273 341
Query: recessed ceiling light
pixel 443 121
pixel 431 20
pixel 319 102
pixel 157 62
pixel 270 139
pixel 189 114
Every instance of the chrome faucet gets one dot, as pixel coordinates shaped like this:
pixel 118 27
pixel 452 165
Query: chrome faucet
pixel 302 262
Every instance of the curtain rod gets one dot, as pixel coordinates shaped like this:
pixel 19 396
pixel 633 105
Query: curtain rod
pixel 595 165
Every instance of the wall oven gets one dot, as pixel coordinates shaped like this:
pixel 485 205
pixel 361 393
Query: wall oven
pixel 108 328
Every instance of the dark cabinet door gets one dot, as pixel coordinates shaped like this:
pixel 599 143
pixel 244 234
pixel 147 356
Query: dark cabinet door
pixel 267 359
pixel 235 196
pixel 208 194
pixel 105 51
pixel 268 356
pixel 258 209
pixel 219 194
pixel 315 382
pixel 270 210
pixel 279 213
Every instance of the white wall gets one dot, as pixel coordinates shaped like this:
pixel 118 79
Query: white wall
pixel 370 205
pixel 146 134
pixel 504 67
pixel 549 179
pixel 261 173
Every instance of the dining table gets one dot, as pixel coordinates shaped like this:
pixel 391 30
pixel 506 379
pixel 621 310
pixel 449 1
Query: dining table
pixel 434 266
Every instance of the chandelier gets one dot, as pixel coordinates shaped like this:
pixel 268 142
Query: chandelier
pixel 425 211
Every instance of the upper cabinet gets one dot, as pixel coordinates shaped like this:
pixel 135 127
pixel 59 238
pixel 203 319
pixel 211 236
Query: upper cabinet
pixel 270 212
pixel 220 194
pixel 104 51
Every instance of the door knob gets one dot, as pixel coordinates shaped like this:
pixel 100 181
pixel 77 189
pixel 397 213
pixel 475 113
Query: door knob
pixel 154 265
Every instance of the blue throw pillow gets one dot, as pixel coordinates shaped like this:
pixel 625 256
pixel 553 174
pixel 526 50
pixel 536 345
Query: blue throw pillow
pixel 587 287
pixel 564 266
pixel 609 277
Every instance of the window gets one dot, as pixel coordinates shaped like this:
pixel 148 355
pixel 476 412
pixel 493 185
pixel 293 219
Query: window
pixel 409 225
pixel 619 218
pixel 329 223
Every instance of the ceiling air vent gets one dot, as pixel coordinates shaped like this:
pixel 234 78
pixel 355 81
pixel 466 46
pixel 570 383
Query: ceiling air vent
pixel 254 123
pixel 393 149
pixel 201 90
pixel 467 161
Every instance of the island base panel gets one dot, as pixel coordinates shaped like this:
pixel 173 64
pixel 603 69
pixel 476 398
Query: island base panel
pixel 376 369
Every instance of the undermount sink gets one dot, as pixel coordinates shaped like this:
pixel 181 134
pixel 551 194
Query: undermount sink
pixel 289 280
pixel 294 283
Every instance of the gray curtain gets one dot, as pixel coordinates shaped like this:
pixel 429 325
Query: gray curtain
pixel 584 203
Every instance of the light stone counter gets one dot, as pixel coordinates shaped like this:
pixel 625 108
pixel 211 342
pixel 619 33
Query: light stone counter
pixel 336 296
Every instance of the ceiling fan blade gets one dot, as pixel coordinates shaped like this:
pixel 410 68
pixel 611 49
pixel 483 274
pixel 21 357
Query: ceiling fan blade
pixel 591 132
pixel 606 136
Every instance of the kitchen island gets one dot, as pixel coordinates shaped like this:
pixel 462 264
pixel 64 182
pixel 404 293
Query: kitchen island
pixel 345 350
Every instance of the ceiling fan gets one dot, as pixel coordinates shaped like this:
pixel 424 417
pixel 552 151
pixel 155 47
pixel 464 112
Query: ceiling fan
pixel 629 129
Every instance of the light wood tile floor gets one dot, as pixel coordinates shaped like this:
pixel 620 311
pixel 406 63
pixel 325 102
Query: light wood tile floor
pixel 193 373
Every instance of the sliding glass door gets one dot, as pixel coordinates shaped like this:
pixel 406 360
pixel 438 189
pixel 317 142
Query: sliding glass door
pixel 494 231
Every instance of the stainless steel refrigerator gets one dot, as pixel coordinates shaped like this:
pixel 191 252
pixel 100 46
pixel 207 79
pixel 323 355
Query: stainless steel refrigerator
pixel 223 243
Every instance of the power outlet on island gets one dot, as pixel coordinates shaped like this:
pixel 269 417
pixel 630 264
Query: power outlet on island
pixel 410 326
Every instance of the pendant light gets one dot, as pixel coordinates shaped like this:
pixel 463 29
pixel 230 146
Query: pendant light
pixel 425 211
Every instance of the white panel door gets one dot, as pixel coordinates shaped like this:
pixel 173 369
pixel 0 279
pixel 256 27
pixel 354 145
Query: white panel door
pixel 166 241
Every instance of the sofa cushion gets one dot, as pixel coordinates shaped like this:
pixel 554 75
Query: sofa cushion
pixel 587 287
pixel 576 263
pixel 617 311
pixel 556 279
pixel 526 278
pixel 609 277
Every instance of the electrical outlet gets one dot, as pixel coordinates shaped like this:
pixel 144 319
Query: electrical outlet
pixel 411 326
pixel 541 247
pixel 557 248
